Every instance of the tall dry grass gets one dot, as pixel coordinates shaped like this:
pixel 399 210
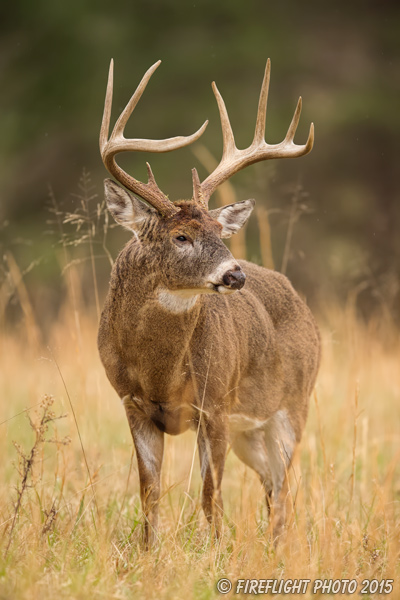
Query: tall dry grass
pixel 74 532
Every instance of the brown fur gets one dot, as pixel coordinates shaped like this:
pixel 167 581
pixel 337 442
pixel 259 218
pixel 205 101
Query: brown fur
pixel 253 352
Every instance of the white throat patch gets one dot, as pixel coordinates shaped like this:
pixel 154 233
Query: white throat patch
pixel 178 301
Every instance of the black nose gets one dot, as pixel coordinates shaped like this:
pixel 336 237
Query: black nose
pixel 234 279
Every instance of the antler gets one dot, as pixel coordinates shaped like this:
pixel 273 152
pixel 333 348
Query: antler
pixel 233 160
pixel 109 147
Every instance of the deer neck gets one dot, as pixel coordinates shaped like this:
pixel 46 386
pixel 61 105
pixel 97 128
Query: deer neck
pixel 137 272
pixel 154 318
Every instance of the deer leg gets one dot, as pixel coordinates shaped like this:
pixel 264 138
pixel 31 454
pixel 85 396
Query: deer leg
pixel 149 445
pixel 212 443
pixel 280 441
pixel 250 448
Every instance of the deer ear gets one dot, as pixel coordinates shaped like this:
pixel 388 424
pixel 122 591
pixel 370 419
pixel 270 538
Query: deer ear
pixel 233 216
pixel 126 209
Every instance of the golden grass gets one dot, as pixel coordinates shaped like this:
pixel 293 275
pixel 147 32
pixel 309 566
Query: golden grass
pixel 70 525
pixel 68 543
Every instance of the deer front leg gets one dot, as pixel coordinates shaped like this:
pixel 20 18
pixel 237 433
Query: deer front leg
pixel 149 445
pixel 212 443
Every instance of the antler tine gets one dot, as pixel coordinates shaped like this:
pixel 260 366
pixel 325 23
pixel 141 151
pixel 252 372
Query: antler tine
pixel 307 147
pixel 259 134
pixel 130 107
pixel 197 191
pixel 233 160
pixel 228 138
pixel 294 123
pixel 310 140
pixel 105 123
pixel 116 143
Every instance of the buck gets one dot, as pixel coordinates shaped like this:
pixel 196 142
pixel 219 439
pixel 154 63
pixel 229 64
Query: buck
pixel 192 338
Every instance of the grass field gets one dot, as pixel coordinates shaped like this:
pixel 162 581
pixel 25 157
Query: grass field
pixel 70 517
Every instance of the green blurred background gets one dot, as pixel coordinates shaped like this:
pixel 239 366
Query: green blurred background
pixel 342 57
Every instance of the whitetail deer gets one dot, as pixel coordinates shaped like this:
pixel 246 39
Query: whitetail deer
pixel 183 343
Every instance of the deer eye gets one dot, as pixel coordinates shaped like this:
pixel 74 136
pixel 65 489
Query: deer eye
pixel 182 241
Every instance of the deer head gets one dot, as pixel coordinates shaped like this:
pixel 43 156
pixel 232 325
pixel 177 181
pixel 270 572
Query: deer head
pixel 191 257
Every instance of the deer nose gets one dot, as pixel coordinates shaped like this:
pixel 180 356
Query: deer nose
pixel 234 279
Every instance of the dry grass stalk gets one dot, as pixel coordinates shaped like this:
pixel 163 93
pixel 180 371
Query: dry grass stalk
pixel 78 430
pixel 86 196
pixel 73 290
pixel 26 461
pixel 267 259
pixel 32 330
pixel 353 464
pixel 297 209
pixel 87 225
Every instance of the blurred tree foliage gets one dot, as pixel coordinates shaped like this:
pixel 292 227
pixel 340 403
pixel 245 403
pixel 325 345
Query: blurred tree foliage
pixel 342 57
